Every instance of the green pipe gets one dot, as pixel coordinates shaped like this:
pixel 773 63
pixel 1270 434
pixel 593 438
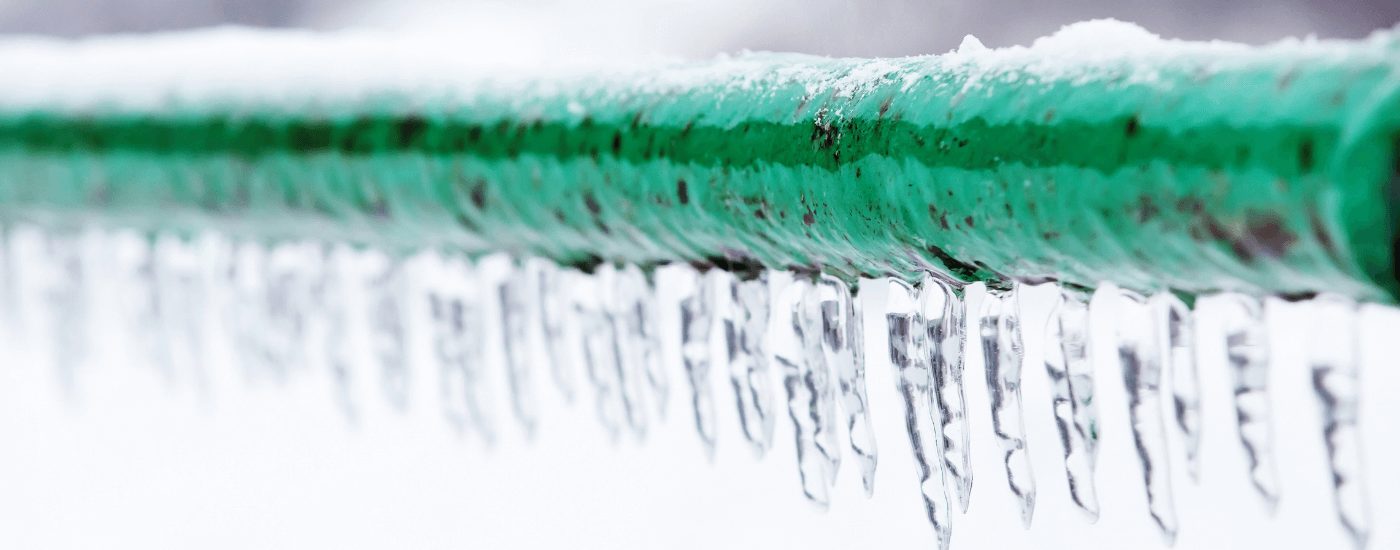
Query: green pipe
pixel 1196 169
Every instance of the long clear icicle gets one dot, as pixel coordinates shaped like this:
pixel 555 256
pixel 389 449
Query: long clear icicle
pixel 811 398
pixel 841 335
pixel 622 296
pixel 458 343
pixel 1140 359
pixel 330 299
pixel 1068 362
pixel 647 331
pixel 1002 353
pixel 600 350
pixel 944 313
pixel 1334 357
pixel 511 294
pixel 914 384
pixel 743 307
pixel 557 322
pixel 697 307
pixel 388 339
pixel 181 295
pixel 1247 351
pixel 1176 333
pixel 68 300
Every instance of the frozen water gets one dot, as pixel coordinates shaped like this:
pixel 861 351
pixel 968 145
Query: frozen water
pixel 1140 360
pixel 1068 362
pixel 1001 350
pixel 454 305
pixel 797 348
pixel 914 384
pixel 944 314
pixel 841 335
pixel 388 339
pixel 1177 336
pixel 600 350
pixel 1247 351
pixel 512 293
pixel 621 292
pixel 1333 356
pixel 743 309
pixel 558 325
pixel 697 307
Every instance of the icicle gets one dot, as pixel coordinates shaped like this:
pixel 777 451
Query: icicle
pixel 1176 333
pixel 1334 356
pixel 67 296
pixel 1142 376
pixel 944 313
pixel 458 343
pixel 557 322
pixel 622 297
pixel 388 340
pixel 913 382
pixel 696 307
pixel 1001 349
pixel 1068 363
pixel 331 297
pixel 510 292
pixel 1247 349
pixel 648 333
pixel 600 349
pixel 138 294
pixel 811 401
pixel 179 284
pixel 743 307
pixel 841 335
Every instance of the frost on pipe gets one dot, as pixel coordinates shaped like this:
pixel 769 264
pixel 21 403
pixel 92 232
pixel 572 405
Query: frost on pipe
pixel 1068 362
pixel 943 312
pixel 1001 351
pixel 1334 354
pixel 840 338
pixel 743 306
pixel 1140 360
pixel 1247 353
pixel 1177 341
pixel 914 384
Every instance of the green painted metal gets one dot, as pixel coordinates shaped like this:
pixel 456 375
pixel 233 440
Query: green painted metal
pixel 1267 170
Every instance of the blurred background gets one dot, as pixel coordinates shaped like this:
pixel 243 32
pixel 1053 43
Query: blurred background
pixel 702 28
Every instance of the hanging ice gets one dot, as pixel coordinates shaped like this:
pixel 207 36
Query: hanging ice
pixel 1001 351
pixel 600 349
pixel 639 340
pixel 510 293
pixel 1176 335
pixel 811 398
pixel 386 322
pixel 1334 357
pixel 331 296
pixel 913 382
pixel 841 337
pixel 457 317
pixel 68 300
pixel 944 313
pixel 1068 363
pixel 558 325
pixel 1247 350
pixel 696 307
pixel 743 308
pixel 1142 375
pixel 180 295
pixel 622 297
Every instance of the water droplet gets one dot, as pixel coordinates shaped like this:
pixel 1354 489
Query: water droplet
pixel 944 313
pixel 913 383
pixel 1247 350
pixel 1334 358
pixel 743 308
pixel 1068 362
pixel 1140 359
pixel 1002 353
